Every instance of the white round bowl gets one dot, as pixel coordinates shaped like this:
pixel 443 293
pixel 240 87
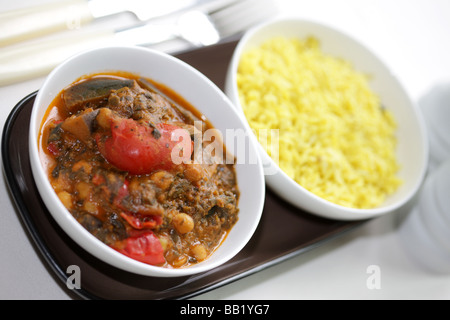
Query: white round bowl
pixel 204 96
pixel 412 149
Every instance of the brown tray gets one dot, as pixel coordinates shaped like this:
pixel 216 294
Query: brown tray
pixel 284 231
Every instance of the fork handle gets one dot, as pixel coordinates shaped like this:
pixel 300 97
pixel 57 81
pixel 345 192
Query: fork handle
pixel 23 24
pixel 19 63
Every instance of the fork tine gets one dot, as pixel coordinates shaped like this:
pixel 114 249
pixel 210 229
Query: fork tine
pixel 241 15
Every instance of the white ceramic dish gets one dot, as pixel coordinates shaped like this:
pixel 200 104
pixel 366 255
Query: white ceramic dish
pixel 196 89
pixel 412 151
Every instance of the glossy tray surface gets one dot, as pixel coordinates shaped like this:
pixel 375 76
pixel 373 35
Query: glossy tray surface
pixel 284 231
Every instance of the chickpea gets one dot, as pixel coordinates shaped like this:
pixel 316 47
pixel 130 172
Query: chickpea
pixel 83 189
pixel 166 242
pixel 66 199
pixel 199 252
pixel 179 261
pixel 104 118
pixel 82 164
pixel 193 172
pixel 62 183
pixel 162 179
pixel 90 207
pixel 183 223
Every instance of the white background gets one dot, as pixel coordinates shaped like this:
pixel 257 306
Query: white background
pixel 413 38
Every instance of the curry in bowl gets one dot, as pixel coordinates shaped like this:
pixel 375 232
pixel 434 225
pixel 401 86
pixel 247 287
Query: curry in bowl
pixel 125 156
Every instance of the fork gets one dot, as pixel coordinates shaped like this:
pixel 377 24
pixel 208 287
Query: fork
pixel 197 27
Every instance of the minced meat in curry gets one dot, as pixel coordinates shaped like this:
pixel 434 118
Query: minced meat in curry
pixel 108 144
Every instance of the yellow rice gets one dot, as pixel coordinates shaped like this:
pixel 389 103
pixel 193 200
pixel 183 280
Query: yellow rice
pixel 335 139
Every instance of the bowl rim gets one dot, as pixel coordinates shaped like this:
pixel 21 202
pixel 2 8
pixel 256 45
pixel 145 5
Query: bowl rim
pixel 75 230
pixel 339 212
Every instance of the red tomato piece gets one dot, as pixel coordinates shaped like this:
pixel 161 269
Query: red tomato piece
pixel 141 222
pixel 52 147
pixel 141 149
pixel 98 179
pixel 144 247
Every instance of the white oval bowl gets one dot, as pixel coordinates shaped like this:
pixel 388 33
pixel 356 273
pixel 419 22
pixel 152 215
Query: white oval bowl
pixel 196 89
pixel 412 149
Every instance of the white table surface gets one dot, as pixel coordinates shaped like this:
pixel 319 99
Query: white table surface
pixel 413 37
